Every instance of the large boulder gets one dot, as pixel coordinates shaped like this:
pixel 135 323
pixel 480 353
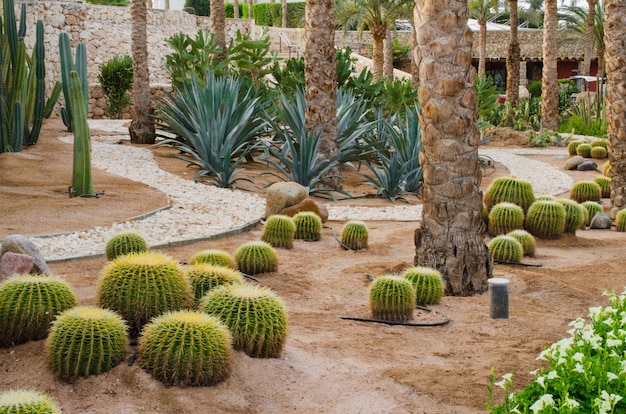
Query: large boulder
pixel 16 243
pixel 600 222
pixel 14 264
pixel 587 166
pixel 573 162
pixel 283 194
pixel 308 204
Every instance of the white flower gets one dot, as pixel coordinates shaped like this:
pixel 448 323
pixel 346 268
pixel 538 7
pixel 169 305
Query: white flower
pixel 579 368
pixel 623 367
pixel 552 375
pixel 578 357
pixel 608 321
pixel 611 376
pixel 545 401
pixel 595 312
pixel 572 403
pixel 506 378
pixel 541 381
pixel 578 323
pixel 613 342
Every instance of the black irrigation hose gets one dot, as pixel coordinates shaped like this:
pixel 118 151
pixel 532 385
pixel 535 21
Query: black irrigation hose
pixel 337 238
pixel 517 263
pixel 132 358
pixel 444 322
pixel 251 277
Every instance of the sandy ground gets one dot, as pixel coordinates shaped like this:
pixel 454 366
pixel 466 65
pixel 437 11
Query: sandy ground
pixel 328 365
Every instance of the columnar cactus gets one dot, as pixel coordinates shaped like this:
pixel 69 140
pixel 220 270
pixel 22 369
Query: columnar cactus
pixel 256 257
pixel 392 298
pixel 204 277
pixel 584 150
pixel 255 315
pixel 510 189
pixel 505 217
pixel 28 304
pixel 125 242
pixel 527 241
pixel 605 185
pixel 214 257
pixel 86 341
pixel 27 402
pixel 427 283
pixel 506 248
pixel 592 208
pixel 546 219
pixel 279 231
pixel 354 235
pixel 574 215
pixel 571 147
pixel 598 153
pixel 620 220
pixel 186 348
pixel 585 191
pixel 308 226
pixel 141 286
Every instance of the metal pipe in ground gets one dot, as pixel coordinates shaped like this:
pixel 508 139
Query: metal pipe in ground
pixel 498 298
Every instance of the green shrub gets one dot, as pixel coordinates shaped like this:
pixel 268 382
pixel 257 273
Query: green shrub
pixel 279 231
pixel 592 208
pixel 214 257
pixel 308 226
pixel 585 191
pixel 584 150
pixel 201 7
pixel 204 277
pixel 620 220
pixel 506 248
pixel 392 298
pixel 526 240
pixel 123 243
pixel 116 81
pixel 505 217
pixel 27 402
pixel 510 189
pixel 122 3
pixel 427 283
pixel 605 185
pixel 256 257
pixel 546 219
pixel 229 10
pixel 574 215
pixel 534 88
pixel 355 235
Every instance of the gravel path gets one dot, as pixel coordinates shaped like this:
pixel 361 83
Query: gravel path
pixel 198 211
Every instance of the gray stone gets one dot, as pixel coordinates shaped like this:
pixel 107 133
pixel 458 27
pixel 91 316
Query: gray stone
pixel 17 243
pixel 282 195
pixel 600 222
pixel 14 264
pixel 573 162
pixel 587 166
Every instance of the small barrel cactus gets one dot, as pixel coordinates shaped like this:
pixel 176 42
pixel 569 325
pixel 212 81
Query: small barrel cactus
pixel 527 241
pixel 592 208
pixel 255 315
pixel 546 219
pixel 27 402
pixel 28 304
pixel 204 277
pixel 584 150
pixel 606 169
pixel 598 153
pixel 214 257
pixel 510 189
pixel 546 197
pixel 354 235
pixel 141 286
pixel 574 215
pixel 392 298
pixel 585 191
pixel 125 242
pixel 308 226
pixel 600 142
pixel 505 217
pixel 506 249
pixel 427 283
pixel 86 341
pixel 186 348
pixel 256 257
pixel 571 147
pixel 620 220
pixel 279 231
pixel 605 185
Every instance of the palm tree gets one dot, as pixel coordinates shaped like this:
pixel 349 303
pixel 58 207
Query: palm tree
pixel 218 27
pixel 513 57
pixel 585 27
pixel 482 10
pixel 416 57
pixel 451 236
pixel 615 37
pixel 388 56
pixel 549 90
pixel 236 9
pixel 284 12
pixel 141 127
pixel 320 77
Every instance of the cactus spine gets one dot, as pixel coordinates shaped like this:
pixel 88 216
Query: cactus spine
pixel 123 243
pixel 355 235
pixel 620 220
pixel 308 226
pixel 526 240
pixel 204 277
pixel 505 217
pixel 427 282
pixel 506 248
pixel 214 257
pixel 392 298
pixel 256 257
pixel 27 402
pixel 279 231
pixel 510 189
pixel 585 191
pixel 574 215
pixel 605 185
pixel 546 219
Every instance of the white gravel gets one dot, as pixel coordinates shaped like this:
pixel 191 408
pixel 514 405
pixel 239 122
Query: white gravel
pixel 199 211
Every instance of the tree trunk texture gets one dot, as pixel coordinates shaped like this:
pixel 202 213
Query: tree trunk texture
pixel 482 46
pixel 388 56
pixel 615 41
pixel 218 27
pixel 378 34
pixel 250 11
pixel 236 9
pixel 513 58
pixel 416 58
pixel 451 235
pixel 549 89
pixel 320 76
pixel 588 45
pixel 284 10
pixel 141 127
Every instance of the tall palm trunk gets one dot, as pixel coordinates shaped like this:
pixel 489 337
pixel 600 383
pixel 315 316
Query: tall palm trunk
pixel 218 26
pixel 141 127
pixel 250 9
pixel 378 34
pixel 482 45
pixel 588 45
pixel 388 56
pixel 236 9
pixel 416 57
pixel 451 235
pixel 615 41
pixel 284 12
pixel 513 58
pixel 549 90
pixel 320 77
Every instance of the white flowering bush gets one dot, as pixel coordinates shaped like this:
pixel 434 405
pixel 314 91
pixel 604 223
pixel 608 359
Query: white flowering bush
pixel 586 372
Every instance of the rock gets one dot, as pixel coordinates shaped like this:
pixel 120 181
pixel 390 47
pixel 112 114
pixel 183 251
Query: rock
pixel 14 264
pixel 308 204
pixel 600 222
pixel 587 166
pixel 284 194
pixel 573 162
pixel 17 243
pixel 523 92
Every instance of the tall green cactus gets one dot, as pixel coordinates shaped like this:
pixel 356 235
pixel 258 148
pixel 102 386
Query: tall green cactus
pixel 67 66
pixel 82 181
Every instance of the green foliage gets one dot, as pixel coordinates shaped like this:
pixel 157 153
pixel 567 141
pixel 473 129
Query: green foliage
pixel 229 10
pixel 214 257
pixel 28 304
pixel 620 220
pixel 79 65
pixel 505 217
pixel 192 57
pixel 585 191
pixel 141 286
pixel 204 277
pixel 566 87
pixel 427 283
pixel 605 185
pixel 545 219
pixel 592 208
pixel 122 3
pixel 255 315
pixel 250 58
pixel 116 81
pixel 573 145
pixel 19 401
pixel 355 235
pixel 486 98
pixel 256 257
pixel 506 249
pixel 279 231
pixel 527 241
pixel 510 189
pixel 123 243
pixel 526 116
pixel 201 7
pixel 392 298
pixel 268 14
pixel 534 88
pixel 186 348
pixel 584 150
pixel 308 226
pixel 400 50
pixel 587 117
pixel 598 153
pixel 86 341
pixel 544 138
pixel 574 215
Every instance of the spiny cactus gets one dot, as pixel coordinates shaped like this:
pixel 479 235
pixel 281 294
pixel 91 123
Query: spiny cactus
pixel 204 277
pixel 571 147
pixel 600 142
pixel 605 185
pixel 546 219
pixel 620 220
pixel 140 286
pixel 255 315
pixel 256 257
pixel 506 248
pixel 308 226
pixel 27 402
pixel 592 208
pixel 279 231
pixel 606 169
pixel 585 191
pixel 392 298
pixel 214 257
pixel 186 348
pixel 125 242
pixel 355 235
pixel 598 153
pixel 510 189
pixel 28 304
pixel 527 241
pixel 485 215
pixel 584 150
pixel 505 217
pixel 427 283
pixel 546 197
pixel 86 341
pixel 574 215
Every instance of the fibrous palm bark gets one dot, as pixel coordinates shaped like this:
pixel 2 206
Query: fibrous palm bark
pixel 451 235
pixel 388 56
pixel 589 33
pixel 218 27
pixel 283 7
pixel 549 89
pixel 482 45
pixel 513 58
pixel 416 57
